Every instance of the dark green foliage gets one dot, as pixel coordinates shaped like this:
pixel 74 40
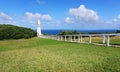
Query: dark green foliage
pixel 67 32
pixel 118 31
pixel 94 33
pixel 75 32
pixel 15 32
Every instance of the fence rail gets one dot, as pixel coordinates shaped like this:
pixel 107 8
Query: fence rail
pixel 79 37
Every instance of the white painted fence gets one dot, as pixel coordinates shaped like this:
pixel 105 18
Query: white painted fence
pixel 79 37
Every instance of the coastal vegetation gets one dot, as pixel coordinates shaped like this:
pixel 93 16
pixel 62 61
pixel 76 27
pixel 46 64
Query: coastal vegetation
pixel 46 55
pixel 15 32
pixel 118 31
pixel 70 32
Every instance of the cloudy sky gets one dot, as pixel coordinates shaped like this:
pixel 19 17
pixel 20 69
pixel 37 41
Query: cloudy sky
pixel 62 14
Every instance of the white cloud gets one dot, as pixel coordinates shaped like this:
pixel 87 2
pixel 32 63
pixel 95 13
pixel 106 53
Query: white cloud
pixel 46 17
pixel 5 18
pixel 68 20
pixel 118 17
pixel 116 20
pixel 84 18
pixel 84 14
pixel 31 16
pixel 40 2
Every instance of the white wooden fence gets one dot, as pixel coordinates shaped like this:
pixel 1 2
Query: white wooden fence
pixel 79 37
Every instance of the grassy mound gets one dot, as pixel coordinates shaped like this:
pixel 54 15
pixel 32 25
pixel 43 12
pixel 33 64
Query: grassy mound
pixel 15 32
pixel 45 55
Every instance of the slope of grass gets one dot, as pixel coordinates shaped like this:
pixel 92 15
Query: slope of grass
pixel 45 55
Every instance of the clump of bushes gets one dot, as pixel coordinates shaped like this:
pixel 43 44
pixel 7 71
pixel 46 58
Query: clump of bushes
pixel 118 31
pixel 67 32
pixel 15 32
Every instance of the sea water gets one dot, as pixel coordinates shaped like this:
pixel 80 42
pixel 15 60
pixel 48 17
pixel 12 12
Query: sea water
pixel 55 32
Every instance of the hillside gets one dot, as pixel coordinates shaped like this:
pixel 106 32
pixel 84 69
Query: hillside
pixel 15 32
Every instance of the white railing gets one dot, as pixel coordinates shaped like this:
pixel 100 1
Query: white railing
pixel 79 37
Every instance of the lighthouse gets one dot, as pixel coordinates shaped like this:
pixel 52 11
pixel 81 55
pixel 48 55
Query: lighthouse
pixel 38 29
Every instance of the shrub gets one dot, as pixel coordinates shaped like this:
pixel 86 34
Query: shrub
pixel 67 32
pixel 118 31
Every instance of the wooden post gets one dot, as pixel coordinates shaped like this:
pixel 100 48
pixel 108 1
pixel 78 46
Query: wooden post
pixel 103 39
pixel 108 41
pixel 90 39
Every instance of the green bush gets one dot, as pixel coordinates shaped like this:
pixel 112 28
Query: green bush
pixel 15 32
pixel 67 32
pixel 118 31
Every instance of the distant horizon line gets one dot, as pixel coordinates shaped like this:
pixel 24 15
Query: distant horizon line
pixel 79 29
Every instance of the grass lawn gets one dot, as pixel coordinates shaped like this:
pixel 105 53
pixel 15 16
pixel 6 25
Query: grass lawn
pixel 46 55
pixel 113 40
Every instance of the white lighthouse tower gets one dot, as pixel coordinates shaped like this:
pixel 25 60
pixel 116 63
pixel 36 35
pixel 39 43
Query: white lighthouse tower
pixel 38 29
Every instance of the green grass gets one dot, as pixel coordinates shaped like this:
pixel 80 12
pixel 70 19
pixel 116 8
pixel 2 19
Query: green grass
pixel 45 55
pixel 113 40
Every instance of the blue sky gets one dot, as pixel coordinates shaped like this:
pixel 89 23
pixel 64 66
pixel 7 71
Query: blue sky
pixel 62 14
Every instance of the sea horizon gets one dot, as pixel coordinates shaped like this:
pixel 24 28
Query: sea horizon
pixel 56 31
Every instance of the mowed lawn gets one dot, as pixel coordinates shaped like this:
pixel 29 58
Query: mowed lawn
pixel 46 55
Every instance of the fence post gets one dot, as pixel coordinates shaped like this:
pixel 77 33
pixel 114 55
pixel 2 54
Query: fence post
pixel 103 39
pixel 58 37
pixel 61 37
pixel 74 37
pixel 108 41
pixel 65 37
pixel 90 39
pixel 71 38
pixel 81 38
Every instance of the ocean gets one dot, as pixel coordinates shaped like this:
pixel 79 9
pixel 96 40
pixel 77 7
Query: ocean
pixel 54 32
